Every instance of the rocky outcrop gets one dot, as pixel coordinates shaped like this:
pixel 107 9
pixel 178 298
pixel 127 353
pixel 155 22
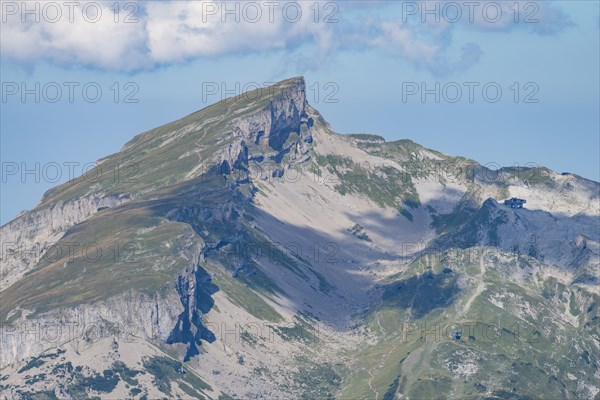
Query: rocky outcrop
pixel 232 156
pixel 281 129
pixel 28 237
pixel 195 290
pixel 265 135
pixel 272 126
pixel 286 113
pixel 133 316
pixel 550 238
pixel 173 315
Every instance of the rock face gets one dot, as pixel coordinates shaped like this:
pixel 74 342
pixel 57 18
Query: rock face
pixel 234 156
pixel 272 126
pixel 266 135
pixel 131 317
pixel 27 238
pixel 286 113
pixel 171 316
pixel 556 240
pixel 195 290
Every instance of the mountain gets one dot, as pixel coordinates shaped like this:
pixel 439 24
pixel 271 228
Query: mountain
pixel 248 251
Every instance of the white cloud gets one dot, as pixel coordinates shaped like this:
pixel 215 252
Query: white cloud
pixel 169 32
pixel 102 44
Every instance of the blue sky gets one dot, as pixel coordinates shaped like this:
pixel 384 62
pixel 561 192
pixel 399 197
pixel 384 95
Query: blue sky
pixel 359 70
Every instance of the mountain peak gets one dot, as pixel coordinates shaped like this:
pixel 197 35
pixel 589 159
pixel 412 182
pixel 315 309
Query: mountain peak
pixel 267 123
pixel 287 89
pixel 235 215
pixel 269 131
pixel 294 82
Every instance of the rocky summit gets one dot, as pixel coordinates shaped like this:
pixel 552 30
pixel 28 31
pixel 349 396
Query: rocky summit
pixel 248 251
